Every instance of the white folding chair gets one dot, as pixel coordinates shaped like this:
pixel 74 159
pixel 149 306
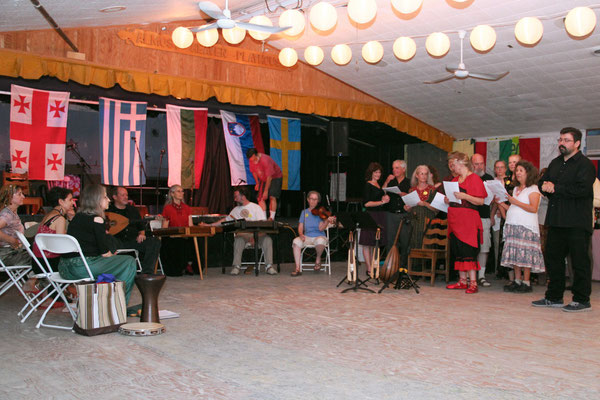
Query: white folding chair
pixel 16 277
pixel 60 244
pixel 325 265
pixel 156 224
pixel 34 300
pixel 261 260
pixel 136 255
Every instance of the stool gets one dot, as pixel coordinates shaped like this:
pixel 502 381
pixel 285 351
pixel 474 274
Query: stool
pixel 149 286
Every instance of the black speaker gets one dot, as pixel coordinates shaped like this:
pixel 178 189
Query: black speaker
pixel 337 138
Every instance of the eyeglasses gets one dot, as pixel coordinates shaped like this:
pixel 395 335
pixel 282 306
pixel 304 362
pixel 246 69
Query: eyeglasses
pixel 561 140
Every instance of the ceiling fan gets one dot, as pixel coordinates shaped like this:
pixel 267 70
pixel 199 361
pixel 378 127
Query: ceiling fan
pixel 461 72
pixel 224 21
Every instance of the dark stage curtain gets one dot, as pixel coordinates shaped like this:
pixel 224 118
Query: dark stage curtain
pixel 215 184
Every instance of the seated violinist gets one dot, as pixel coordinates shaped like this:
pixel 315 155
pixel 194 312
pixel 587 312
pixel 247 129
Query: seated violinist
pixel 311 231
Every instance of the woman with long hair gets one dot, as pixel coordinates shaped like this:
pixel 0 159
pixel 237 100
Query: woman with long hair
pixel 375 202
pixel 522 249
pixel 11 252
pixel 465 231
pixel 422 183
pixel 178 251
pixel 89 228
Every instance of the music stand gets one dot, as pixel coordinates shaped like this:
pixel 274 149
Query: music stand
pixel 354 221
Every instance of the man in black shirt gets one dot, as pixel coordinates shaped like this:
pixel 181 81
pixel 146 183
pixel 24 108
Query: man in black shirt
pixel 568 184
pixel 396 211
pixel 484 213
pixel 134 235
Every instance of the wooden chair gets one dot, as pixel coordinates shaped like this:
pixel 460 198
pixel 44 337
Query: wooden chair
pixel 435 248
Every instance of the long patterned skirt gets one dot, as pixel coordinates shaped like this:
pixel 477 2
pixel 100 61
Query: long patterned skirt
pixel 522 249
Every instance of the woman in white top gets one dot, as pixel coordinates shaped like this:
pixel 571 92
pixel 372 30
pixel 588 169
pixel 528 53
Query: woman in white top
pixel 522 249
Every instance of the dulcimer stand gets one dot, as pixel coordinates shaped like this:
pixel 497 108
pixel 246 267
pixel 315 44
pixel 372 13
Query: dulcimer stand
pixel 363 221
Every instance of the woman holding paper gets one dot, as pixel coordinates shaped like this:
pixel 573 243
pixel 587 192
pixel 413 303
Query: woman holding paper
pixel 422 184
pixel 465 231
pixel 522 249
pixel 376 204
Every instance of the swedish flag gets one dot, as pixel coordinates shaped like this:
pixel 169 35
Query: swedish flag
pixel 285 149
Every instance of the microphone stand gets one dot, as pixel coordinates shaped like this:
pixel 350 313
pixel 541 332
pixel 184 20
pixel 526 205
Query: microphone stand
pixel 142 169
pixel 83 165
pixel 157 191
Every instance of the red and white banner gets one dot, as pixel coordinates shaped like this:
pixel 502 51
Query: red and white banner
pixel 38 131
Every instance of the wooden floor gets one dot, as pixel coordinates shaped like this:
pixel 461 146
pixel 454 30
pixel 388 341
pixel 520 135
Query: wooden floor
pixel 278 337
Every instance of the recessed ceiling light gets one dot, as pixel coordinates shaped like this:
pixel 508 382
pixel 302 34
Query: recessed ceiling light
pixel 112 9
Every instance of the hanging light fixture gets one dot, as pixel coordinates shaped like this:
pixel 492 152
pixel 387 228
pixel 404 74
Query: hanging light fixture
pixel 260 20
pixel 323 16
pixel 341 54
pixel 293 18
pixel 580 21
pixel 362 11
pixel 372 52
pixel 314 55
pixel 234 35
pixel 529 30
pixel 182 37
pixel 405 48
pixel 483 37
pixel 288 57
pixel 437 44
pixel 406 6
pixel 208 37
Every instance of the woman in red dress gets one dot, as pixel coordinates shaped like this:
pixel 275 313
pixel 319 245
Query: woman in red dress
pixel 179 252
pixel 465 231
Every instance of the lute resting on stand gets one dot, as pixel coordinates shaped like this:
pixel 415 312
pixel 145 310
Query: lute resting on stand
pixel 391 268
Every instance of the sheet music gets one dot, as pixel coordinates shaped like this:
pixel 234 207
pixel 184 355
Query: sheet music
pixel 450 188
pixel 333 185
pixel 490 196
pixel 411 199
pixel 439 203
pixel 392 189
pixel 497 189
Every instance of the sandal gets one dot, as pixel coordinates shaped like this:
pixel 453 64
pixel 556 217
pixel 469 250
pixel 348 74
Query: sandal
pixel 296 273
pixel 318 267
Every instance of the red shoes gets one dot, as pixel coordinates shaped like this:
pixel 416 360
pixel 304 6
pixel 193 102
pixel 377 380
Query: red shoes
pixel 472 288
pixel 458 285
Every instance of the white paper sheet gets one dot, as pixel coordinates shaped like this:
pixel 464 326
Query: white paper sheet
pixel 439 203
pixel 392 189
pixel 490 196
pixel 497 189
pixel 450 188
pixel 166 314
pixel 411 199
pixel 496 226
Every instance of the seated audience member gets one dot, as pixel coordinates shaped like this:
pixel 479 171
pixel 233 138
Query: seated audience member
pixel 11 252
pixel 311 231
pixel 89 228
pixel 134 235
pixel 177 253
pixel 250 212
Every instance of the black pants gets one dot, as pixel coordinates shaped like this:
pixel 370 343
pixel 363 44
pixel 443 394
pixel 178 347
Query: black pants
pixel 149 250
pixel 560 243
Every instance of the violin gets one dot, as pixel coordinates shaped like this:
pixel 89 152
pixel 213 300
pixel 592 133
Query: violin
pixel 321 212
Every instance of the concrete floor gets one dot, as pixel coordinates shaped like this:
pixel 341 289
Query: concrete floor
pixel 277 337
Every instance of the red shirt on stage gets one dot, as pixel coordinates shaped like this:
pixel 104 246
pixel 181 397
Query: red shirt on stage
pixel 265 168
pixel 465 222
pixel 177 215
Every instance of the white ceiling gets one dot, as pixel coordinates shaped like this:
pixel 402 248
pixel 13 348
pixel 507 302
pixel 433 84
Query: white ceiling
pixel 551 85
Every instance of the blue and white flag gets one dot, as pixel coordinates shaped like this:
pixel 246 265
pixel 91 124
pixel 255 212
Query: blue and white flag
pixel 242 132
pixel 122 140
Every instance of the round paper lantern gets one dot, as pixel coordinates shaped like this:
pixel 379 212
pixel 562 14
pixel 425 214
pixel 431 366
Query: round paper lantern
pixel 208 37
pixel 529 30
pixel 288 57
pixel 406 6
pixel 323 16
pixel 182 37
pixel 372 52
pixel 362 11
pixel 580 21
pixel 293 18
pixel 260 20
pixel 234 35
pixel 405 48
pixel 483 37
pixel 341 54
pixel 314 55
pixel 437 44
